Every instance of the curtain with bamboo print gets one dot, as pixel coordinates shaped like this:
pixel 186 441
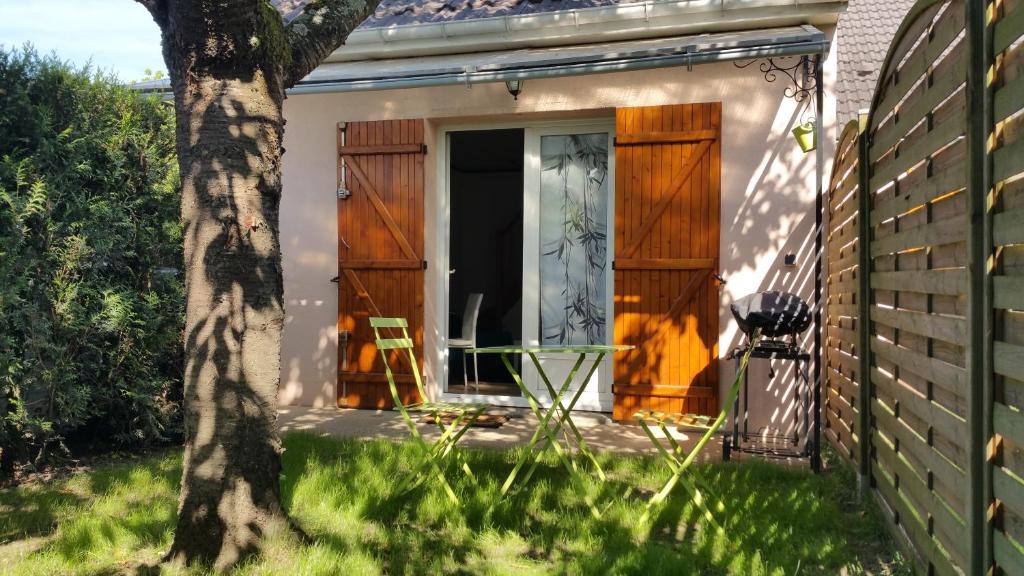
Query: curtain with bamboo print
pixel 573 235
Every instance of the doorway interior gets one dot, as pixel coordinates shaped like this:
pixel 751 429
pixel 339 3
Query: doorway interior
pixel 485 253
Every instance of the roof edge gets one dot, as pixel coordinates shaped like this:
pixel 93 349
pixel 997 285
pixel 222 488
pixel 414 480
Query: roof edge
pixel 814 42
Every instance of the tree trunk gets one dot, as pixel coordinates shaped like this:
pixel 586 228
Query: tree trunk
pixel 231 191
pixel 229 63
pixel 229 131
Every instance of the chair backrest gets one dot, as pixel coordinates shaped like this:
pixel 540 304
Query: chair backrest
pixel 470 316
pixel 403 343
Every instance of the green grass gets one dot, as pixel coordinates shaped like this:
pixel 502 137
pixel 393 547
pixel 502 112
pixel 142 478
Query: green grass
pixel 778 521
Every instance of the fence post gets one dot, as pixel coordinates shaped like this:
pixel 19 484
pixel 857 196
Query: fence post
pixel 979 310
pixel 864 305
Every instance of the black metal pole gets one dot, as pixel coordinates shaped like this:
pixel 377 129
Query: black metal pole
pixel 819 209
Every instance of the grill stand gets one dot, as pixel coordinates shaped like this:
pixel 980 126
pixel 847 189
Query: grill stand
pixel 741 441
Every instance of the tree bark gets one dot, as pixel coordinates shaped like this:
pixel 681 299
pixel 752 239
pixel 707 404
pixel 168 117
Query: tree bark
pixel 229 62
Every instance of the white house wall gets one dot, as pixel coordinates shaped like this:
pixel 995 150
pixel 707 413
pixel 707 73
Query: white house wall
pixel 767 191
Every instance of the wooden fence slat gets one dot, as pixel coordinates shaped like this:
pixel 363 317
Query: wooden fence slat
pixel 912 114
pixel 946 231
pixel 944 32
pixel 1008 98
pixel 951 282
pixel 915 531
pixel 1008 161
pixel 917 487
pixel 1007 30
pixel 1008 422
pixel 1008 360
pixel 945 328
pixel 1008 489
pixel 1008 227
pixel 841 310
pixel 938 464
pixel 842 286
pixel 1008 292
pixel 945 181
pixel 943 374
pixel 848 362
pixel 920 150
pixel 945 422
pixel 1007 556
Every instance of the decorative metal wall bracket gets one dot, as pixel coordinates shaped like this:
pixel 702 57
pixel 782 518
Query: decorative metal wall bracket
pixel 800 74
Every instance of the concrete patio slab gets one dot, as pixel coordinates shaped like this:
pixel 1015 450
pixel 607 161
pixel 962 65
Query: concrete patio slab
pixel 600 433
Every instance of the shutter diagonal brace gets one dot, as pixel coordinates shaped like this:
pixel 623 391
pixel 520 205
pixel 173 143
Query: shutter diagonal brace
pixel 655 328
pixel 679 179
pixel 381 209
pixel 372 308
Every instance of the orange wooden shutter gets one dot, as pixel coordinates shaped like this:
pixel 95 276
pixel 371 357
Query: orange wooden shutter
pixel 380 253
pixel 667 203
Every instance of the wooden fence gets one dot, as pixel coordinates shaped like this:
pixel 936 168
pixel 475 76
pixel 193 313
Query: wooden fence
pixel 924 369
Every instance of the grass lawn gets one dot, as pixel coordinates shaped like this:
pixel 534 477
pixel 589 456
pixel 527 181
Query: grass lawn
pixel 780 520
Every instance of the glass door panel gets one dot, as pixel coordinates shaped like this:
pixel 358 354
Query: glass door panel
pixel 573 238
pixel 567 249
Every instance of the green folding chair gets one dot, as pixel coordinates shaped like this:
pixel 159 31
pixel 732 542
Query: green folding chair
pixel 462 415
pixel 672 453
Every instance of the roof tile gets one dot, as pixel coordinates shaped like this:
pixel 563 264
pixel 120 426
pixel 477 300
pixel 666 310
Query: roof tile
pixel 402 12
pixel 865 31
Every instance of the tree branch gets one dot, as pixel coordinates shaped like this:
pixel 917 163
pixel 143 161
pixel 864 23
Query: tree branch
pixel 319 30
pixel 157 9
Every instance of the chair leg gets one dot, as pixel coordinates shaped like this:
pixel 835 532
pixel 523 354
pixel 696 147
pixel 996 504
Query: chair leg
pixel 476 372
pixel 465 370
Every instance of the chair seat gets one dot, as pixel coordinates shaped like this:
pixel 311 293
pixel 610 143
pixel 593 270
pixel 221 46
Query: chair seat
pixel 437 407
pixel 460 343
pixel 682 421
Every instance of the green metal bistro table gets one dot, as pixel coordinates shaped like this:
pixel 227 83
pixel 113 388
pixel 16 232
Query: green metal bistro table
pixel 558 417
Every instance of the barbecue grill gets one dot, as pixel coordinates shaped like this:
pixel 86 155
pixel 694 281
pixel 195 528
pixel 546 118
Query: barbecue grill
pixel 777 319
pixel 775 313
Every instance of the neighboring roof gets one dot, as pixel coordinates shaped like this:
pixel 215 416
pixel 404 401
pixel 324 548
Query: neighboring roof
pixel 863 35
pixel 406 12
pixel 562 61
pixel 289 9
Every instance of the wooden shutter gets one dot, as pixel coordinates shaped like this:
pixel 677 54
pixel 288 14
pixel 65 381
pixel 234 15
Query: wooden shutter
pixel 667 203
pixel 380 253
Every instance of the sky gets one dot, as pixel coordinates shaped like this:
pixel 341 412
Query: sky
pixel 117 35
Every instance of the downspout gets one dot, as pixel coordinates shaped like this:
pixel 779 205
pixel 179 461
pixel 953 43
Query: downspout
pixel 819 209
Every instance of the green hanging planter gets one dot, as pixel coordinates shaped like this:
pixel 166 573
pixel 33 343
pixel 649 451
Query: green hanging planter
pixel 806 136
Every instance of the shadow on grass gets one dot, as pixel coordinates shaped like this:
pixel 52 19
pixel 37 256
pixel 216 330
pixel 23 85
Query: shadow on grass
pixel 27 512
pixel 777 521
pixel 94 523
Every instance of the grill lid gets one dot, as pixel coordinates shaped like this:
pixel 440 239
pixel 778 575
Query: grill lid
pixel 775 313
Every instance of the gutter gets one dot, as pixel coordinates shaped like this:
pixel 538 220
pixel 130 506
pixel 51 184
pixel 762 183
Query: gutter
pixel 625 21
pixel 818 45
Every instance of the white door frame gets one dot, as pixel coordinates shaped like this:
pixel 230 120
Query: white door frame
pixel 531 239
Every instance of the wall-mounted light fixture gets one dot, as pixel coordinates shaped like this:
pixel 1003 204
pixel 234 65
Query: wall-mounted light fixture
pixel 514 87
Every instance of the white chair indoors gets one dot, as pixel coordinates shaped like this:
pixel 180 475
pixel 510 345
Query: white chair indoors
pixel 467 339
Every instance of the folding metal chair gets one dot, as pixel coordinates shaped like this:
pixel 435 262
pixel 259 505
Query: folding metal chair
pixel 675 457
pixel 463 415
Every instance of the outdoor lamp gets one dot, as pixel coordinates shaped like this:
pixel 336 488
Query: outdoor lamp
pixel 514 87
